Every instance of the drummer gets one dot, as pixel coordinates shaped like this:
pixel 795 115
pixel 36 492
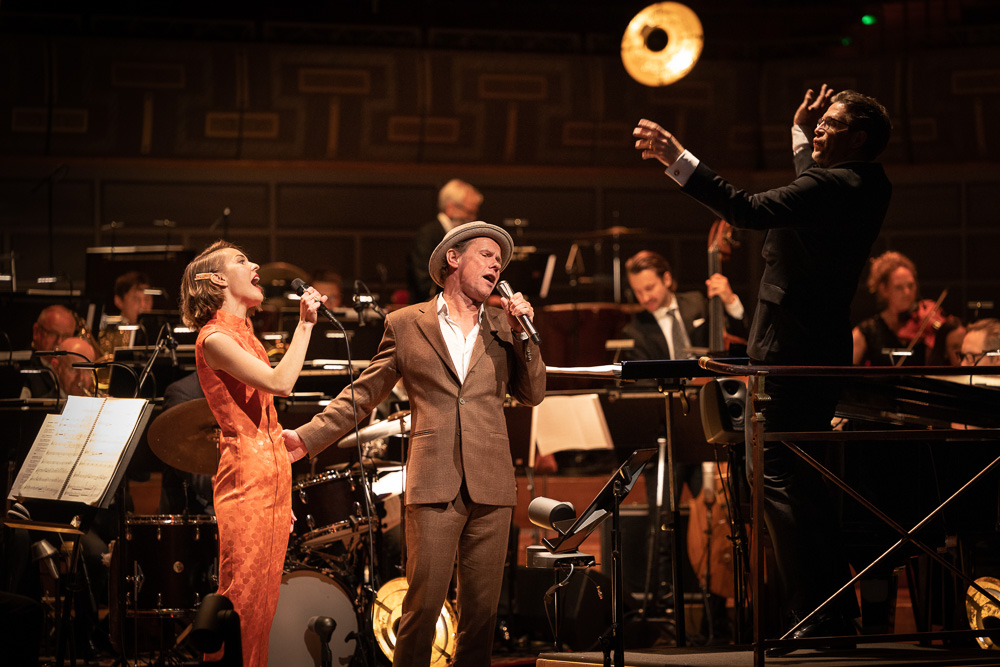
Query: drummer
pixel 457 358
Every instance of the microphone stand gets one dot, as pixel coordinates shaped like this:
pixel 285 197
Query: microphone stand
pixel 366 634
pixel 163 341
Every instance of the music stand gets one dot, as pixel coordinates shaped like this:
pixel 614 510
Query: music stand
pixel 573 531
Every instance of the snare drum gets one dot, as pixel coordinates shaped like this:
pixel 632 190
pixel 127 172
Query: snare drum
pixel 305 594
pixel 169 562
pixel 328 507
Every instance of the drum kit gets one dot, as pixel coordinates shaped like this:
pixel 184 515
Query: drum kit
pixel 170 562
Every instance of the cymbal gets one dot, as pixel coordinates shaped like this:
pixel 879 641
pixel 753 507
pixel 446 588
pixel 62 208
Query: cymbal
pixel 612 232
pixel 662 43
pixel 186 437
pixel 276 277
pixel 382 429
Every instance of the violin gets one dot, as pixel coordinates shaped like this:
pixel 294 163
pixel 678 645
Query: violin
pixel 922 323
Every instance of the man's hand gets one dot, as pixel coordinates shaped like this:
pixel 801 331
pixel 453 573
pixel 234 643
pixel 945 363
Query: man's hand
pixel 293 443
pixel 515 307
pixel 812 107
pixel 655 142
pixel 718 285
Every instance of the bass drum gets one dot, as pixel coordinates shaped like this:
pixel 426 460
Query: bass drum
pixel 304 594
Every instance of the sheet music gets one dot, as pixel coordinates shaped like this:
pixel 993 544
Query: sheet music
pixel 44 438
pixel 76 454
pixel 569 422
pixel 62 452
pixel 98 462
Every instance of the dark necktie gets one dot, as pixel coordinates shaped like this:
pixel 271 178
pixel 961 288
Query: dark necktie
pixel 677 334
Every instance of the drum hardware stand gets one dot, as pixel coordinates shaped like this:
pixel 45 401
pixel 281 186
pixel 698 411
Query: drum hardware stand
pixel 67 585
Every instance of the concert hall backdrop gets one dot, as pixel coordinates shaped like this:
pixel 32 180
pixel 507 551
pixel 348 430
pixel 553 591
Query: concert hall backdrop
pixel 326 129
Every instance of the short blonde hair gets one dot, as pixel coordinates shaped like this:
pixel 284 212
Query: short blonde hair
pixel 200 297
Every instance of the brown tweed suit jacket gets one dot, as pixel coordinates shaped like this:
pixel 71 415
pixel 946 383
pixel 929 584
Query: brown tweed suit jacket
pixel 456 430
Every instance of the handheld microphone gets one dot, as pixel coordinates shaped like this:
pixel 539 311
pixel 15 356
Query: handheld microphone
pixel 506 292
pixel 300 288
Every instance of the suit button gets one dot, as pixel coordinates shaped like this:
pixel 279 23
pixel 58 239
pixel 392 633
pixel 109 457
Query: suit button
pixel 461 401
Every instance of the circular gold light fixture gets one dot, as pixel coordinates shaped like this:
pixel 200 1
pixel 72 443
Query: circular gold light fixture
pixel 662 43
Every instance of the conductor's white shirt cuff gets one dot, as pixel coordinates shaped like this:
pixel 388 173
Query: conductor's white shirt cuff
pixel 800 140
pixel 682 168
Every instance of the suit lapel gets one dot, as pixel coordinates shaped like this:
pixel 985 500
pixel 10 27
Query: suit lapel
pixel 427 322
pixel 487 334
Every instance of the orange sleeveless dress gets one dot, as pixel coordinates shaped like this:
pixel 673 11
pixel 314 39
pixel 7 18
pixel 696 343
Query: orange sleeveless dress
pixel 252 489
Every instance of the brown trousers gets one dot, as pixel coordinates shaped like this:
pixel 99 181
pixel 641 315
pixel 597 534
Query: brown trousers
pixel 435 533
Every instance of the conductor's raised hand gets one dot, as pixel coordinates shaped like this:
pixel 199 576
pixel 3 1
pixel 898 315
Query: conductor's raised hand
pixel 656 143
pixel 309 303
pixel 813 106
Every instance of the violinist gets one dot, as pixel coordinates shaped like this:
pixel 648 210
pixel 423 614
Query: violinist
pixel 904 321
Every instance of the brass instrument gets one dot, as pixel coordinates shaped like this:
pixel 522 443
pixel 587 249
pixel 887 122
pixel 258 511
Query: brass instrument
pixel 388 609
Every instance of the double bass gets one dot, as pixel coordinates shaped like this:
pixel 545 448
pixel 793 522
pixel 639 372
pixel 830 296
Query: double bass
pixel 720 248
pixel 709 533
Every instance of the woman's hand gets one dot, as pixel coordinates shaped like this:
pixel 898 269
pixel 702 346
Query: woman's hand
pixel 309 303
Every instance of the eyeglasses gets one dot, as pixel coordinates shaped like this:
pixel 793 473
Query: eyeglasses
pixel 826 123
pixel 973 358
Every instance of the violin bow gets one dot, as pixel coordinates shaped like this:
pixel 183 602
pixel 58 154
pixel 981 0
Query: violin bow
pixel 923 325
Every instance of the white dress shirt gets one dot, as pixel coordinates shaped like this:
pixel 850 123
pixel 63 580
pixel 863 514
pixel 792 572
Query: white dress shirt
pixel 459 345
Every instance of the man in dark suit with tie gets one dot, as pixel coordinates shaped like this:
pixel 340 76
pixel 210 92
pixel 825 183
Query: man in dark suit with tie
pixel 653 329
pixel 458 359
pixel 820 229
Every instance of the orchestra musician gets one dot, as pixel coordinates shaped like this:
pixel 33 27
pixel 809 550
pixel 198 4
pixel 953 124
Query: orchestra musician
pixel 654 329
pixel 74 381
pixel 458 203
pixel 982 338
pixel 252 488
pixel 905 322
pixel 819 232
pixel 54 324
pixel 132 300
pixel 458 358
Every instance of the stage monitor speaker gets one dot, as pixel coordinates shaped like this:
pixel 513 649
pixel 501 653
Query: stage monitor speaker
pixel 722 402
